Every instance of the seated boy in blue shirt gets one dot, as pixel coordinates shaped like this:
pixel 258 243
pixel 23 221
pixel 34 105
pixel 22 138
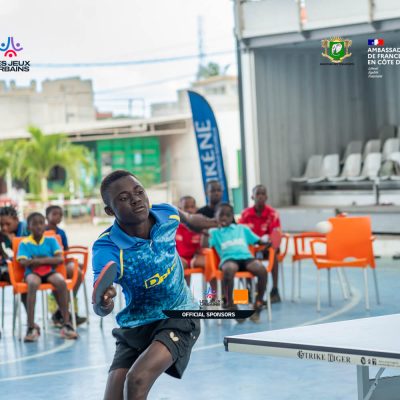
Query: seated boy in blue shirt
pixel 142 244
pixel 231 241
pixel 40 255
pixel 54 216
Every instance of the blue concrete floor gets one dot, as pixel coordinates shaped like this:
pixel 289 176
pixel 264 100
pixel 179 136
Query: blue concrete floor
pixel 58 369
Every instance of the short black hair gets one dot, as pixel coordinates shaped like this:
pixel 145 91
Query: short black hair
pixel 209 183
pixel 111 178
pixel 33 215
pixel 220 205
pixel 187 197
pixel 258 187
pixel 49 209
pixel 8 211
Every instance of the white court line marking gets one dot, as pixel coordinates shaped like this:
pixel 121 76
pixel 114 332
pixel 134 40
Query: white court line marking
pixel 211 346
pixel 72 370
pixel 64 371
pixel 355 299
pixel 43 354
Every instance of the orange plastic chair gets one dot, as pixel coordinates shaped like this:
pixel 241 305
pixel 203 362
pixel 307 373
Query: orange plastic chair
pixel 281 256
pixel 198 270
pixel 349 244
pixel 213 271
pixel 302 251
pixel 17 272
pixel 3 285
pixel 81 253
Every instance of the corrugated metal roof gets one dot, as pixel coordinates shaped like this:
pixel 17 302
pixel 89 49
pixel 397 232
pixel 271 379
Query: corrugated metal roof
pixel 157 126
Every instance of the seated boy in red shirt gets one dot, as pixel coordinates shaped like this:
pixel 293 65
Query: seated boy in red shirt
pixel 187 241
pixel 262 219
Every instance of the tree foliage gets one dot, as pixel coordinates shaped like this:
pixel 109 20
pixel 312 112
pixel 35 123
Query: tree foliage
pixel 33 159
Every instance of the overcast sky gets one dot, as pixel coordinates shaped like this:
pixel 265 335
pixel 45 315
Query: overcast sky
pixel 90 31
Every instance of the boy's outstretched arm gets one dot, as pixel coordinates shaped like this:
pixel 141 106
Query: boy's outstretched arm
pixel 197 222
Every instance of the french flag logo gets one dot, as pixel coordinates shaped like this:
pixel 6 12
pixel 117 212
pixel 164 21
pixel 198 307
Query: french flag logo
pixel 376 42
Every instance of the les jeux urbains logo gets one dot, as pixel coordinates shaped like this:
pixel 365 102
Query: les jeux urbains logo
pixel 11 49
pixel 336 49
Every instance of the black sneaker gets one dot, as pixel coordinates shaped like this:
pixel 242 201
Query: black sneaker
pixel 80 320
pixel 275 298
pixel 57 319
pixel 32 335
pixel 68 332
pixel 255 317
pixel 234 307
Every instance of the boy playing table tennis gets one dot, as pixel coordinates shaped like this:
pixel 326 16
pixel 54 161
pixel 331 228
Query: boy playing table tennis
pixel 142 244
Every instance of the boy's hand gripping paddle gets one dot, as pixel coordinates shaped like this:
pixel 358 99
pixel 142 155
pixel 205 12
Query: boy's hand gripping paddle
pixel 105 279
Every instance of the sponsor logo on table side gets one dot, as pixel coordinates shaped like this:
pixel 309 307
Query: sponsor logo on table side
pixel 347 359
pixel 330 357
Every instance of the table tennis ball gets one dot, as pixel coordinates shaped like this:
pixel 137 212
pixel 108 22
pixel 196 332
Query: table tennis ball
pixel 323 227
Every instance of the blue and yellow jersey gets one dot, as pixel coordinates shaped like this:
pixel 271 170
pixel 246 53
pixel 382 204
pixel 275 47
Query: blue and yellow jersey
pixel 29 248
pixel 149 270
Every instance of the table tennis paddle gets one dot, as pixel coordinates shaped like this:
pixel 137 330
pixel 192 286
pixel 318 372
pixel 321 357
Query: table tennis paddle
pixel 105 279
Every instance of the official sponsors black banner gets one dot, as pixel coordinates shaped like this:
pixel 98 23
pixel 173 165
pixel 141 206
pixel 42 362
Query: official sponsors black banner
pixel 209 314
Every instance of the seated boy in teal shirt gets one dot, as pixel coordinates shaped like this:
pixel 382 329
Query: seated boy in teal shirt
pixel 231 241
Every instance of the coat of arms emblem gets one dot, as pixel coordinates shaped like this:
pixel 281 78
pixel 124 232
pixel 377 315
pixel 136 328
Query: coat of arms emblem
pixel 336 49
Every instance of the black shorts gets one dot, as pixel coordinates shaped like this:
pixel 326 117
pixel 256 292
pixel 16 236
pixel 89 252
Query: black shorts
pixel 242 264
pixel 132 342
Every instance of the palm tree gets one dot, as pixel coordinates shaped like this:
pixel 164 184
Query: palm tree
pixel 6 158
pixel 34 158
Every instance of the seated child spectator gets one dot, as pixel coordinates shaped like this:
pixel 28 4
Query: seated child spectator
pixel 262 219
pixel 40 255
pixel 231 241
pixel 187 241
pixel 54 216
pixel 5 254
pixel 10 225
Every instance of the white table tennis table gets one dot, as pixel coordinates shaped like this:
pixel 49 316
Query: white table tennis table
pixel 366 342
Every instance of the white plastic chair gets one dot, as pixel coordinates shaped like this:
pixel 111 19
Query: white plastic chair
pixel 354 147
pixel 395 157
pixel 387 132
pixel 372 146
pixel 330 168
pixel 391 145
pixel 313 169
pixel 370 168
pixel 352 167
